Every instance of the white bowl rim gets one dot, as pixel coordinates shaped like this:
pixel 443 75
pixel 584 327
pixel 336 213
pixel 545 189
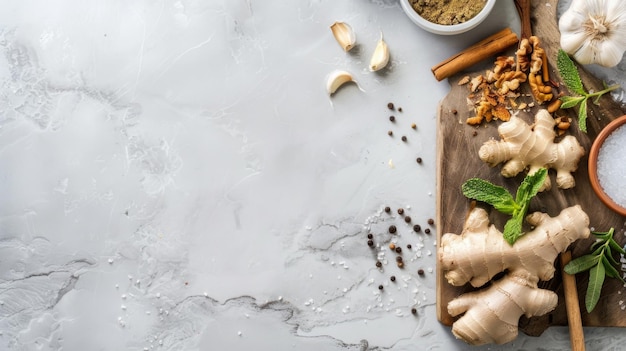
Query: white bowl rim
pixel 447 29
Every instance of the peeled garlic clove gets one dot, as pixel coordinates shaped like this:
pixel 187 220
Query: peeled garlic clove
pixel 336 79
pixel 344 35
pixel 380 58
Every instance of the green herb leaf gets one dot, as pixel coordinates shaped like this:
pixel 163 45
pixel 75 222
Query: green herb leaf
pixel 512 230
pixel 582 116
pixel 596 280
pixel 569 73
pixel 610 269
pixel 496 196
pixel 581 264
pixel 530 186
pixel 570 101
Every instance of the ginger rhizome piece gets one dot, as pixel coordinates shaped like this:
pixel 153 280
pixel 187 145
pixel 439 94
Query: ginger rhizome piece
pixel 480 252
pixel 533 147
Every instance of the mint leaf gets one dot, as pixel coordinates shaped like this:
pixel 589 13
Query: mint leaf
pixel 513 229
pixel 596 280
pixel 530 186
pixel 581 264
pixel 496 196
pixel 582 116
pixel 569 73
pixel 570 101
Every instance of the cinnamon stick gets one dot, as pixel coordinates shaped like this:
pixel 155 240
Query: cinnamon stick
pixel 484 49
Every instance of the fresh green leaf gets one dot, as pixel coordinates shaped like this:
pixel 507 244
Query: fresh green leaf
pixel 530 186
pixel 512 230
pixel 569 73
pixel 570 101
pixel 581 264
pixel 582 116
pixel 596 280
pixel 615 246
pixel 496 196
pixel 610 269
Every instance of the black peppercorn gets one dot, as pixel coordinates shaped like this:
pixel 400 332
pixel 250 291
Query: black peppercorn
pixel 417 228
pixel 431 221
pixel 398 258
pixel 403 138
pixel 379 264
pixel 399 109
pixel 408 246
pixel 392 118
pixel 419 160
pixel 427 231
pixel 420 271
pixel 393 278
pixel 390 133
pixel 407 219
pixel 387 209
pixel 370 243
pixel 400 211
pixel 392 229
pixel 370 236
pixel 398 249
pixel 413 310
pixel 380 287
pixel 390 105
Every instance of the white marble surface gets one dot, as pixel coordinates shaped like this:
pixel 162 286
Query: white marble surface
pixel 174 176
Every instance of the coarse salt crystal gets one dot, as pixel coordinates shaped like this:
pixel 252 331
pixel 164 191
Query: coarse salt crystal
pixel 612 166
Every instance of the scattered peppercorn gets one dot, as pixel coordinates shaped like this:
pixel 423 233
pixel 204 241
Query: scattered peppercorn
pixel 379 264
pixel 370 243
pixel 413 125
pixel 392 229
pixel 474 133
pixel 398 249
pixel 390 105
pixel 392 246
pixel 431 221
pixel 370 236
pixel 399 109
pixel 400 211
pixel 418 160
pixel 387 209
pixel 392 118
pixel 393 278
pixel 420 271
pixel 455 111
pixel 427 231
pixel 390 133
pixel 407 219
pixel 380 287
pixel 417 228
pixel 414 310
pixel 400 264
pixel 404 138
pixel 408 246
pixel 398 258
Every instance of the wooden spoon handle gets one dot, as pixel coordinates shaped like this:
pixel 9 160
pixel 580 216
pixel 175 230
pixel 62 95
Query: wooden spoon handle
pixel 523 9
pixel 576 335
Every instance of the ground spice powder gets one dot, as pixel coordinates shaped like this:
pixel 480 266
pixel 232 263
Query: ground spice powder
pixel 447 12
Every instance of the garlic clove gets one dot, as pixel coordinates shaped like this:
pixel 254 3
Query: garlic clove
pixel 336 79
pixel 344 35
pixel 380 58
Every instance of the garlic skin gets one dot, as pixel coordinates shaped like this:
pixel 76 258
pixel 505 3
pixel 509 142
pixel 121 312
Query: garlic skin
pixel 380 58
pixel 344 35
pixel 594 31
pixel 336 79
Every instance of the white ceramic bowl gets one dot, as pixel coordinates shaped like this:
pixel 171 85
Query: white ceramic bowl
pixel 447 29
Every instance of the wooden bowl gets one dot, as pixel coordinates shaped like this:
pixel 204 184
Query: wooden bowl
pixel 593 165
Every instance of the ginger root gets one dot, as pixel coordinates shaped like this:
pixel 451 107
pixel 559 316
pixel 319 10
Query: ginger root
pixel 480 252
pixel 533 147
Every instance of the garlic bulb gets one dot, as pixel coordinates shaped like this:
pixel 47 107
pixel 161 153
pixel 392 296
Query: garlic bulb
pixel 336 79
pixel 380 58
pixel 344 35
pixel 594 31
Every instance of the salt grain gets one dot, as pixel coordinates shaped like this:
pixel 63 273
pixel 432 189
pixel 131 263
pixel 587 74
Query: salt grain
pixel 612 166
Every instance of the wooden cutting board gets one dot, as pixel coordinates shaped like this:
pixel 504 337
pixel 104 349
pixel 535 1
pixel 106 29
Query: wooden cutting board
pixel 457 152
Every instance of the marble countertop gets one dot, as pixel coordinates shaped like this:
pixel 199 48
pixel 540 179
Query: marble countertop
pixel 174 176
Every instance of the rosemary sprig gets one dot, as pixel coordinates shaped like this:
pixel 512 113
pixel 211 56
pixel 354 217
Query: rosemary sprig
pixel 571 78
pixel 600 263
